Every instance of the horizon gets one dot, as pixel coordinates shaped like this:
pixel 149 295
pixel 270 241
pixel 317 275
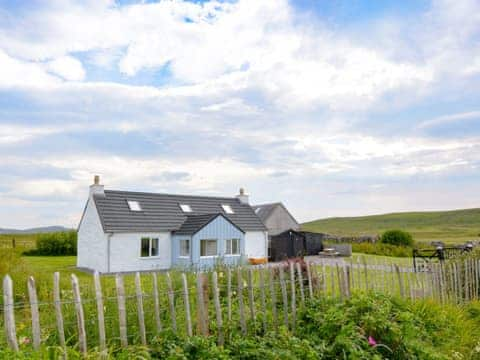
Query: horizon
pixel 336 109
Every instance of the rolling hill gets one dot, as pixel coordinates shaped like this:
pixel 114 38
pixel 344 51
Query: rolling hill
pixel 37 230
pixel 449 226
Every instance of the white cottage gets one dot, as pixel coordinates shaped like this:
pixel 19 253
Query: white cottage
pixel 134 231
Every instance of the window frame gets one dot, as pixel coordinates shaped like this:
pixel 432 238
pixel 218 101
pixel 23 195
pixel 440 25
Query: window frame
pixel 180 249
pixel 186 208
pixel 134 205
pixel 231 253
pixel 150 240
pixel 227 209
pixel 216 249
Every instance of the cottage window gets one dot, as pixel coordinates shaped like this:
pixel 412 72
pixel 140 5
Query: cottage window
pixel 149 247
pixel 208 247
pixel 134 205
pixel 185 247
pixel 228 209
pixel 232 247
pixel 186 208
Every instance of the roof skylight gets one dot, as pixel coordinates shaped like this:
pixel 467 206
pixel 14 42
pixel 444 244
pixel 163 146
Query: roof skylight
pixel 185 208
pixel 134 205
pixel 228 209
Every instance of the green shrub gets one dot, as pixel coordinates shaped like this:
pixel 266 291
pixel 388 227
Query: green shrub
pixel 56 244
pixel 382 249
pixel 397 237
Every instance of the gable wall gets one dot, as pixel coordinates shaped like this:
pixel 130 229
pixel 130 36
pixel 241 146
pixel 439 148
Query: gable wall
pixel 280 221
pixel 92 241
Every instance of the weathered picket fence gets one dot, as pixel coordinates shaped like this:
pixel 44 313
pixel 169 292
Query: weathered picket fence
pixel 217 303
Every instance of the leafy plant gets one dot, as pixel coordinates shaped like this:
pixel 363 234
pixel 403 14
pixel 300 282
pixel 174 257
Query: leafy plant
pixel 55 244
pixel 397 237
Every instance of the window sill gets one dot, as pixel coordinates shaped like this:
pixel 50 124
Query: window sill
pixel 149 257
pixel 184 257
pixel 232 255
pixel 208 257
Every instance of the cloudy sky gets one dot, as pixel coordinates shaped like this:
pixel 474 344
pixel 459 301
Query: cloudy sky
pixel 333 107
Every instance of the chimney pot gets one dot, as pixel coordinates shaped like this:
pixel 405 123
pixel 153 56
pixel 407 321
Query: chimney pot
pixel 96 188
pixel 242 196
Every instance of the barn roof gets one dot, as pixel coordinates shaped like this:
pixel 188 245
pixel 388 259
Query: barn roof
pixel 263 211
pixel 162 212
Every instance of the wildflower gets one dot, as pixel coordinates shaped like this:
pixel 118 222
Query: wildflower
pixel 372 341
pixel 24 340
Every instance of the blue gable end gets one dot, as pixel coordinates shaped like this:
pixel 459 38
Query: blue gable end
pixel 219 229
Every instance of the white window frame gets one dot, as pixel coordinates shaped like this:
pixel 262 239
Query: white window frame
pixel 180 249
pixel 208 256
pixel 134 205
pixel 186 208
pixel 227 241
pixel 227 209
pixel 150 242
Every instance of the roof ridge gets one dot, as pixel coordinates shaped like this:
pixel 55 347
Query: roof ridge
pixel 170 194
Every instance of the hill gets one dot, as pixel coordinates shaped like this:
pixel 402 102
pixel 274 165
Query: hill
pixel 448 226
pixel 37 230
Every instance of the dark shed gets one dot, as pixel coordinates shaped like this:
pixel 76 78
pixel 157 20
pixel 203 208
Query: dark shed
pixel 293 243
pixel 286 245
pixel 313 242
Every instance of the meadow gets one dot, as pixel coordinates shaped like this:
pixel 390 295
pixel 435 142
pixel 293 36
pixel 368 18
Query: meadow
pixel 456 226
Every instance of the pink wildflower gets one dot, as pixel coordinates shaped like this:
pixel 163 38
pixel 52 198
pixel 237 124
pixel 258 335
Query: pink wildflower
pixel 371 341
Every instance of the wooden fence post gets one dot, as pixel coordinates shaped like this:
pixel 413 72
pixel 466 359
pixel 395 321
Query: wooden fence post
pixel 9 312
pixel 229 295
pixel 241 306
pixel 122 313
pixel 400 281
pixel 309 279
pixel 32 295
pixel 141 316
pixel 251 298
pixel 82 335
pixel 186 301
pixel 293 297
pixel 218 309
pixel 156 302
pixel 263 301
pixel 365 273
pixel 340 281
pixel 58 310
pixel 300 281
pixel 273 297
pixel 100 313
pixel 171 302
pixel 201 316
pixel 283 286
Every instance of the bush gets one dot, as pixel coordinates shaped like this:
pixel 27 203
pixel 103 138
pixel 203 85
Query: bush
pixel 56 244
pixel 382 249
pixel 397 237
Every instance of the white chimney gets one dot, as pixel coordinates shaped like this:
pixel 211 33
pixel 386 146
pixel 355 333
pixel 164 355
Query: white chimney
pixel 96 188
pixel 242 196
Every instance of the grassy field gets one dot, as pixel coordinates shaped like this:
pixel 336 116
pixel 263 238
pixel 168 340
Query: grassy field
pixel 26 241
pixel 449 226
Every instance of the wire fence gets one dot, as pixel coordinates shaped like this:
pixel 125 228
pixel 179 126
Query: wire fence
pixel 134 309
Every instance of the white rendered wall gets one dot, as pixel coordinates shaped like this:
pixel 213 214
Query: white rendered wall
pixel 256 244
pixel 92 241
pixel 125 252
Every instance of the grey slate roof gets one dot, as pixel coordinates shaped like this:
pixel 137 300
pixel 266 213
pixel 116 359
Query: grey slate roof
pixel 263 211
pixel 161 212
pixel 194 223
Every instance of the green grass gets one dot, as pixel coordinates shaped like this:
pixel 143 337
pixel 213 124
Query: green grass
pixel 449 226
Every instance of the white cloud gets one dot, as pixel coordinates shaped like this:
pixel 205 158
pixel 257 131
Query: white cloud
pixel 17 73
pixel 67 67
pixel 450 119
